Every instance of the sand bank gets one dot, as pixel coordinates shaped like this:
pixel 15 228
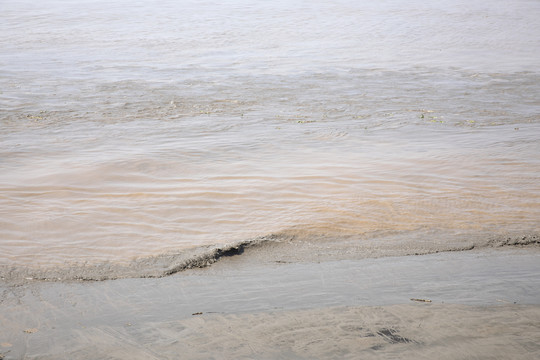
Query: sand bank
pixel 484 304
pixel 422 331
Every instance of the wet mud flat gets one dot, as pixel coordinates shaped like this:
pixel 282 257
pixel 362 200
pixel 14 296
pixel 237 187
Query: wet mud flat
pixel 479 303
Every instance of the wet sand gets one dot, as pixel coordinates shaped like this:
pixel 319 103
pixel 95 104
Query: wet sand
pixel 397 331
pixel 484 304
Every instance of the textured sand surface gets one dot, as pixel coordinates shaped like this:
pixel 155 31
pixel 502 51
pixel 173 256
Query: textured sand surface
pixel 417 331
pixel 484 305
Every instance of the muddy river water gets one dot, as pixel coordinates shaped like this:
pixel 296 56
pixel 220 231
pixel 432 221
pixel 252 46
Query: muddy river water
pixel 136 128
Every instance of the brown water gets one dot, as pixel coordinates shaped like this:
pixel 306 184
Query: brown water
pixel 131 129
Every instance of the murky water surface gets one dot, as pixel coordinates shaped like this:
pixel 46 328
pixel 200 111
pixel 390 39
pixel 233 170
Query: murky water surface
pixel 133 128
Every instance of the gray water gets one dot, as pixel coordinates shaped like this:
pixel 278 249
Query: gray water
pixel 135 128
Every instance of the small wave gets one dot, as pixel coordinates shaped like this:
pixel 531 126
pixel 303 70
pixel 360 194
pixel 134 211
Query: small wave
pixel 147 267
pixel 204 256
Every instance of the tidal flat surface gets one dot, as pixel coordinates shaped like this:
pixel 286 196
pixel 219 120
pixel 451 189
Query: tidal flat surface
pixel 469 304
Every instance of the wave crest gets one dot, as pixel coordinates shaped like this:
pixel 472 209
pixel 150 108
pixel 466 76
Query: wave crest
pixel 278 247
